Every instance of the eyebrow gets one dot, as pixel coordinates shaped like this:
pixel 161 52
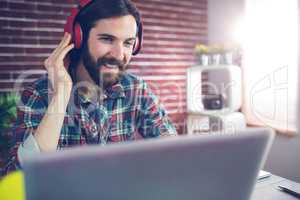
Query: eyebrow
pixel 112 36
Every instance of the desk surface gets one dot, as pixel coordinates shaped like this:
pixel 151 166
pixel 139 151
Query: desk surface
pixel 266 189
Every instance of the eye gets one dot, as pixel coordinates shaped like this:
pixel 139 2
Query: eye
pixel 129 43
pixel 107 40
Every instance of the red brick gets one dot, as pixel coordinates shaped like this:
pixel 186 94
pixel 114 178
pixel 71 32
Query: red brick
pixel 53 8
pixel 12 50
pixel 21 67
pixel 23 24
pixel 3 23
pixel 19 74
pixel 3 4
pixel 24 41
pixel 50 25
pixel 5 85
pixel 21 58
pixel 52 42
pixel 21 6
pixel 38 50
pixel 8 13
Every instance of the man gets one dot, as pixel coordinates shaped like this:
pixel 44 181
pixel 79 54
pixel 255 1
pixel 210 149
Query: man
pixel 94 101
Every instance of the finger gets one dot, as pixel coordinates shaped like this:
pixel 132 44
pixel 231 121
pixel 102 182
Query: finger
pixel 55 55
pixel 65 51
pixel 62 39
pixel 64 42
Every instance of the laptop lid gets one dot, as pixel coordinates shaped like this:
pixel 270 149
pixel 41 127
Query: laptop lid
pixel 176 168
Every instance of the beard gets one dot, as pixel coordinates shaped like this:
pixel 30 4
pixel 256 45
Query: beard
pixel 93 67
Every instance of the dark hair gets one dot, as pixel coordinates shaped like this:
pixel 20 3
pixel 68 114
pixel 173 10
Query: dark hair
pixel 97 10
pixel 103 9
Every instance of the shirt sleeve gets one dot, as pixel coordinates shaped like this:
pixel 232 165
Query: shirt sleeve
pixel 152 118
pixel 28 149
pixel 30 111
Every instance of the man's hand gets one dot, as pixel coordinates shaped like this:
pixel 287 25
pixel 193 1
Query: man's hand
pixel 48 132
pixel 59 77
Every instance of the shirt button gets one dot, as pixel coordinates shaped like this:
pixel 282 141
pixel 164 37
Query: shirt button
pixel 93 130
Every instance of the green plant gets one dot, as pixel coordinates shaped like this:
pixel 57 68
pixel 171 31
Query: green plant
pixel 8 109
pixel 8 113
pixel 201 49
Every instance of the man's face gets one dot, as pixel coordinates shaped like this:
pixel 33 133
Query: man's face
pixel 109 49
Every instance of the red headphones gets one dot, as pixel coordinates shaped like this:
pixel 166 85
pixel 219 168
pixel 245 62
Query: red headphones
pixel 75 29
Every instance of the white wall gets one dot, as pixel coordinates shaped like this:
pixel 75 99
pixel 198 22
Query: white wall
pixel 283 158
pixel 223 15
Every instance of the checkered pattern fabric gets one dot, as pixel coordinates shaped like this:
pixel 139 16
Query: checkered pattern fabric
pixel 125 112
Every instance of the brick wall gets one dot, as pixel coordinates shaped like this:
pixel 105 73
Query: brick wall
pixel 31 29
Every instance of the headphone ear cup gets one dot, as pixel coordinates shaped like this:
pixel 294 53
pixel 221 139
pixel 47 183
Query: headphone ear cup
pixel 139 40
pixel 135 46
pixel 77 36
pixel 68 28
pixel 74 28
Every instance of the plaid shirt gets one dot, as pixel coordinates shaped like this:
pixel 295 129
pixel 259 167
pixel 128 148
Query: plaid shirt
pixel 128 111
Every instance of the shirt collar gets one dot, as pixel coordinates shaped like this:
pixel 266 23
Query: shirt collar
pixel 116 91
pixel 95 94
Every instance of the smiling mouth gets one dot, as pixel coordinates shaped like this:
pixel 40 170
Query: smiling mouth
pixel 111 66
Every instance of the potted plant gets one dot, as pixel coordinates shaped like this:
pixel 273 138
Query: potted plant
pixel 216 53
pixel 8 113
pixel 202 52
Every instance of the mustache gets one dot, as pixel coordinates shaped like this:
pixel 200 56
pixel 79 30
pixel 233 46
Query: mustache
pixel 110 61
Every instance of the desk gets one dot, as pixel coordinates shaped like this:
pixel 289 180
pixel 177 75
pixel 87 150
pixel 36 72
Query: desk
pixel 266 189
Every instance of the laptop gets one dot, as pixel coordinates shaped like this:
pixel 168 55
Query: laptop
pixel 210 167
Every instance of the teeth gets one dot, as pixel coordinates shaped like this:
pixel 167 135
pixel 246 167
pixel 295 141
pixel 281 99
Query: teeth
pixel 111 66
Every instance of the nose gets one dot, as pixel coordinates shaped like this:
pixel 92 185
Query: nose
pixel 117 51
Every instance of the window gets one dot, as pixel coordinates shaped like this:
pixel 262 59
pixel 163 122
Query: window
pixel 270 68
